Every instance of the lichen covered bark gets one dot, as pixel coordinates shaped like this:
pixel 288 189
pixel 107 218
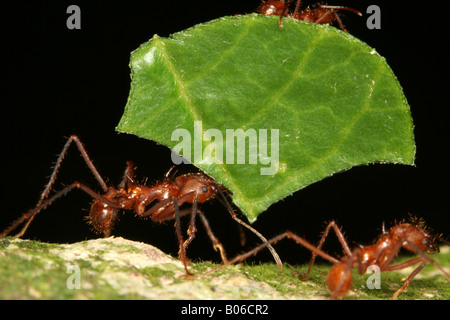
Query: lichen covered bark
pixel 116 268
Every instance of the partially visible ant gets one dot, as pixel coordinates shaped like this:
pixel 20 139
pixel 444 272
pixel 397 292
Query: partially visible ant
pixel 320 13
pixel 171 193
pixel 412 236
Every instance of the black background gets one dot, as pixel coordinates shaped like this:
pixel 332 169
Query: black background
pixel 61 82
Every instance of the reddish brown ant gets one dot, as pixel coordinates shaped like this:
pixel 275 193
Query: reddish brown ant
pixel 171 193
pixel 320 13
pixel 412 236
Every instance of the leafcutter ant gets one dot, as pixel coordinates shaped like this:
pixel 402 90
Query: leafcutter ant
pixel 412 236
pixel 160 202
pixel 320 13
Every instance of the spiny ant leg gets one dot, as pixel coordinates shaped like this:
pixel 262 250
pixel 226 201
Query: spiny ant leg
pixel 156 207
pixel 243 256
pixel 341 239
pixel 408 280
pixel 192 229
pixel 287 234
pixel 217 245
pixel 169 205
pixel 425 258
pixel 87 159
pixel 311 247
pixel 181 252
pixel 404 264
pixel 32 213
pixel 56 167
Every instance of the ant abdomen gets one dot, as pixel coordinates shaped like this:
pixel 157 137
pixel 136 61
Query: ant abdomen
pixel 102 217
pixel 339 280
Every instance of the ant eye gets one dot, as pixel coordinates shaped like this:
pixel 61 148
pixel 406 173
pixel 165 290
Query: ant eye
pixel 204 189
pixel 426 242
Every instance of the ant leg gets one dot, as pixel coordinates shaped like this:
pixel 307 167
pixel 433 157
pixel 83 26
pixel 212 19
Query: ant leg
pixel 341 239
pixel 32 213
pixel 403 265
pixel 52 179
pixel 215 242
pixel 192 229
pixel 259 235
pixel 408 281
pixel 409 263
pixel 86 158
pixel 167 213
pixel 285 10
pixel 181 252
pixel 243 256
pixel 310 247
pixel 287 234
pixel 423 258
pixel 156 207
pixel 333 10
pixel 339 21
pixel 322 17
pixel 242 236
pixel 297 7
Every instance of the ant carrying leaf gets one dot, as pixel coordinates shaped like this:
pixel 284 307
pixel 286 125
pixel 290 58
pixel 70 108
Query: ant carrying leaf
pixel 160 202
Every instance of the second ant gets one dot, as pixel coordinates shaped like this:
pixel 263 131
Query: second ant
pixel 412 236
pixel 169 195
pixel 320 13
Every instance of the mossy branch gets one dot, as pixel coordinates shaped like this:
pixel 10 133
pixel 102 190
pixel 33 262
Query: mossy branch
pixel 116 268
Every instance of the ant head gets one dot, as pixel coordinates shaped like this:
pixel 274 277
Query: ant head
pixel 430 241
pixel 423 240
pixel 201 186
pixel 416 235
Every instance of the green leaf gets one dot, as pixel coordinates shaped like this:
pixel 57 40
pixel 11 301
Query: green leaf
pixel 334 101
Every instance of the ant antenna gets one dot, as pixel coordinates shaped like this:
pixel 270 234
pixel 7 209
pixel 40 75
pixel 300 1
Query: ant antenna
pixel 227 205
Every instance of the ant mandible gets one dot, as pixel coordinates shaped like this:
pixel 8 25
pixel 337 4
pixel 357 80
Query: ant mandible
pixel 171 193
pixel 322 14
pixel 412 236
